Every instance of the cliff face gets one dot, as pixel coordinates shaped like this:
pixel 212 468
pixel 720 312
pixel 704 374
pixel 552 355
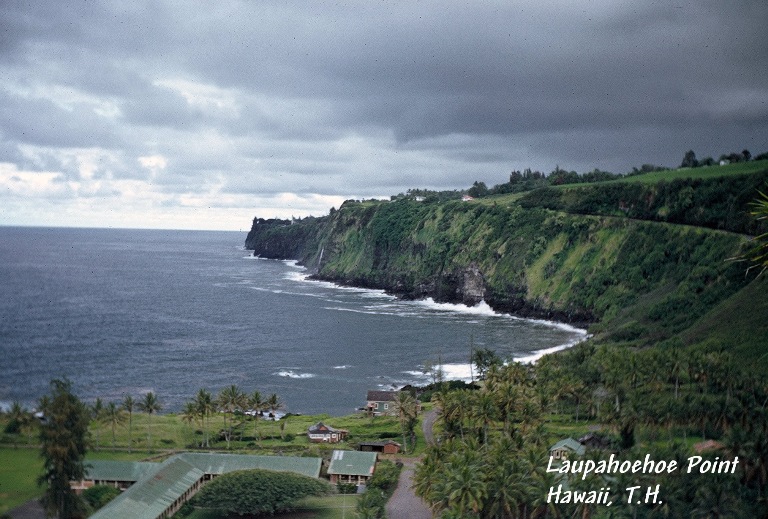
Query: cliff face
pixel 631 281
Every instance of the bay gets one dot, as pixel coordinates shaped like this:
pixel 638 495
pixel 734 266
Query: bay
pixel 122 312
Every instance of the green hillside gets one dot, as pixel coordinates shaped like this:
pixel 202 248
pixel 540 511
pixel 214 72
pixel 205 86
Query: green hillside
pixel 639 263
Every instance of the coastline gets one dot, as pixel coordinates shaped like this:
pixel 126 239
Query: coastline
pixel 480 308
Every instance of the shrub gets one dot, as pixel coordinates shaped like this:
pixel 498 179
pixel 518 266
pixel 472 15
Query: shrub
pixel 99 495
pixel 257 492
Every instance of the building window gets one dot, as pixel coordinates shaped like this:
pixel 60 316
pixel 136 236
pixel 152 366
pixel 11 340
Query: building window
pixel 386 406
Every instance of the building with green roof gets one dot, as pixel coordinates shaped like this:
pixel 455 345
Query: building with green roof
pixel 118 474
pixel 352 467
pixel 566 447
pixel 216 464
pixel 162 488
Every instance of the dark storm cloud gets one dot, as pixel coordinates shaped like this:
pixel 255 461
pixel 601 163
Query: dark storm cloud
pixel 375 97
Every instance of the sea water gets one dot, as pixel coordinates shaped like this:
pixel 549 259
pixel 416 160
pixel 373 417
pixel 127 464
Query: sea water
pixel 123 312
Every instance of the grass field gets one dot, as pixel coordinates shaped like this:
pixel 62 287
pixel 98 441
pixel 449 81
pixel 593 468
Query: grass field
pixel 19 470
pixel 170 433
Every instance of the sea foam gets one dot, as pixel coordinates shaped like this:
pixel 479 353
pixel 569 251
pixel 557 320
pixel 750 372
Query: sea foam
pixel 288 373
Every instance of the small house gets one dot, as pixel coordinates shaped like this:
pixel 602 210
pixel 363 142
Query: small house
pixel 565 448
pixel 381 402
pixel 351 467
pixel 321 433
pixel 467 198
pixel 385 447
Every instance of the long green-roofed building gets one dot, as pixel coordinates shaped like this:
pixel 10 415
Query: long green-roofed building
pixel 162 488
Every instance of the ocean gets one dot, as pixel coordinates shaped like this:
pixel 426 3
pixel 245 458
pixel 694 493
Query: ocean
pixel 121 312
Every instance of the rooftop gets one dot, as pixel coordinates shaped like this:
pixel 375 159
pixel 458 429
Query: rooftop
pixel 352 463
pixel 159 485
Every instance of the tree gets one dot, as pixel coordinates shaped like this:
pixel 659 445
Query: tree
pixel 20 420
pixel 97 413
pixel 63 436
pixel 406 408
pixel 274 404
pixel 230 400
pixel 190 413
pixel 257 403
pixel 149 405
pixel 257 492
pixel 478 190
pixel 129 405
pixel 483 359
pixel 113 416
pixel 689 160
pixel 206 407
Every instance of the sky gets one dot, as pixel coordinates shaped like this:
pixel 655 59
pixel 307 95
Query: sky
pixel 204 115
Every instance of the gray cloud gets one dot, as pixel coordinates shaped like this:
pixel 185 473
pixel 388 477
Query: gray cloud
pixel 263 98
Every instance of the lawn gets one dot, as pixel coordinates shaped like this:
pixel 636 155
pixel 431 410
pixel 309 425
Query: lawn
pixel 19 470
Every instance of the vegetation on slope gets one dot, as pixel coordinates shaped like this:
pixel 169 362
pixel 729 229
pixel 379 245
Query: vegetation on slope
pixel 640 263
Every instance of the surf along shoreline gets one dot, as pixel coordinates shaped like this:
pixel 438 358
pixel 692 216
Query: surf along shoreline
pixel 482 307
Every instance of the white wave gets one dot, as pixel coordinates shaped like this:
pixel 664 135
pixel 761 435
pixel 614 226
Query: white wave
pixel 552 324
pixel 536 355
pixel 345 366
pixel 365 292
pixel 480 308
pixel 450 372
pixel 294 264
pixel 288 373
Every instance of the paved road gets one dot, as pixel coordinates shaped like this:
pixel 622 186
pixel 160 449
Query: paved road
pixel 426 425
pixel 29 510
pixel 404 504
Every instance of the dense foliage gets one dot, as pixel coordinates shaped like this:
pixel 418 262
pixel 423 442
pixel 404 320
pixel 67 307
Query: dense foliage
pixel 492 458
pixel 257 492
pixel 717 203
pixel 380 488
pixel 99 495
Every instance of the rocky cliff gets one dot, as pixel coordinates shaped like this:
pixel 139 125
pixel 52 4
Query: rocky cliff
pixel 631 281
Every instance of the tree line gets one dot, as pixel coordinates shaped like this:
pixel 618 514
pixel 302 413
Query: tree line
pixel 528 179
pixel 235 405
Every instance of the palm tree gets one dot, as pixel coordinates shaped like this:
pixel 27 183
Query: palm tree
pixel 465 486
pixel 129 405
pixel 113 416
pixel 257 403
pixel 406 408
pixel 507 397
pixel 484 412
pixel 230 400
pixel 97 413
pixel 274 403
pixel 190 413
pixel 149 405
pixel 21 418
pixel 205 408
